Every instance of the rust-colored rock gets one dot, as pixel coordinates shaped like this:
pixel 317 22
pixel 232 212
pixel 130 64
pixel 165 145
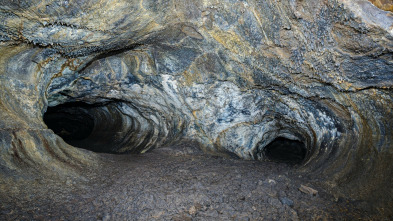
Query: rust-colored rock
pixel 386 5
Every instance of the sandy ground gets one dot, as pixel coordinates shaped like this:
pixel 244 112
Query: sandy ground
pixel 177 183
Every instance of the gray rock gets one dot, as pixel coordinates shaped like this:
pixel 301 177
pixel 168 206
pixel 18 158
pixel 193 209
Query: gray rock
pixel 286 201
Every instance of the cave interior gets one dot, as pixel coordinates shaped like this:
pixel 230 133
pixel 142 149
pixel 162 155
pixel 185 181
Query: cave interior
pixel 196 110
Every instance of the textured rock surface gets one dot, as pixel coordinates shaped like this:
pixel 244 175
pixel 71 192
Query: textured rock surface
pixel 383 4
pixel 231 75
pixel 177 184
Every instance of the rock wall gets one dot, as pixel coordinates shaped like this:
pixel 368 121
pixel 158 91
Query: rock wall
pixel 386 5
pixel 232 75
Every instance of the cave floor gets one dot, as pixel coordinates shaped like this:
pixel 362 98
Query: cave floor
pixel 178 183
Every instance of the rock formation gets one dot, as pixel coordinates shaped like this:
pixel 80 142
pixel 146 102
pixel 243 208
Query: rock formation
pixel 386 5
pixel 119 76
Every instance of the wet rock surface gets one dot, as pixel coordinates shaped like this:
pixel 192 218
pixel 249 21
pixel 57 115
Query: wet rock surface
pixel 179 183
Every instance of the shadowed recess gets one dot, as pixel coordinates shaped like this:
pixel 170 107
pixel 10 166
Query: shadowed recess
pixel 70 121
pixel 286 151
pixel 100 127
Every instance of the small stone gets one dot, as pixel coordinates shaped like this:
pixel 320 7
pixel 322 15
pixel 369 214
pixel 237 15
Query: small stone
pixel 271 181
pixel 192 210
pixel 286 201
pixel 298 15
pixel 308 190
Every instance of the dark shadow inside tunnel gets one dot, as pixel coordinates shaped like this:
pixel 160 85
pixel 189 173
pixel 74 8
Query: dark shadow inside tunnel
pixel 100 127
pixel 70 121
pixel 286 151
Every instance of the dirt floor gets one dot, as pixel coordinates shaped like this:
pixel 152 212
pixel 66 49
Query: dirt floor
pixel 178 183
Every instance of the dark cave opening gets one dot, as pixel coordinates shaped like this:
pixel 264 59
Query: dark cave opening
pixel 99 127
pixel 285 150
pixel 71 121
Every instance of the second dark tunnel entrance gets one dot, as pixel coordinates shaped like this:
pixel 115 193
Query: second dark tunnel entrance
pixel 286 151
